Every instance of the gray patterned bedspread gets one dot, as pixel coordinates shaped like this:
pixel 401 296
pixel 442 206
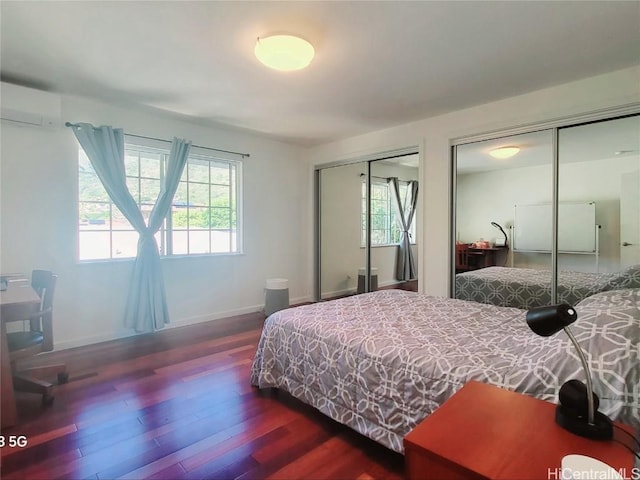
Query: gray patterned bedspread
pixel 381 362
pixel 527 288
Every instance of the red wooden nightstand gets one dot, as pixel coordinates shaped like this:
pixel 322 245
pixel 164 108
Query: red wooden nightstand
pixel 485 432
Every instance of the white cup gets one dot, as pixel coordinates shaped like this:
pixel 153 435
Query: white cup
pixel 581 466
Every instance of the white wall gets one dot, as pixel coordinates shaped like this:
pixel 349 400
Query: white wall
pixel 491 196
pixel 341 252
pixel 39 225
pixel 433 135
pixel 38 204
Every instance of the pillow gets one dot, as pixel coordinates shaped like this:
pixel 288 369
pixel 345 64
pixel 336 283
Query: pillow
pixel 611 300
pixel 608 328
pixel 627 278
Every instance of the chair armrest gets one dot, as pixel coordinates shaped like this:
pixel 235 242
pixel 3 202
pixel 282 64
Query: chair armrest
pixel 40 313
pixel 43 321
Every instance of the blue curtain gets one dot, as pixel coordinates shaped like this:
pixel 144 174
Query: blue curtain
pixel 146 303
pixel 405 263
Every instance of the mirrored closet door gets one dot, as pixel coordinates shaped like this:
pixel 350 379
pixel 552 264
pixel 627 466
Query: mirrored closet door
pixel 367 226
pixel 502 185
pixel 599 196
pixel 558 244
pixel 342 256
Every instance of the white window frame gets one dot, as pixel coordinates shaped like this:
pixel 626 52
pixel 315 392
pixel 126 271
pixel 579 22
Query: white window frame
pixel 390 216
pixel 166 233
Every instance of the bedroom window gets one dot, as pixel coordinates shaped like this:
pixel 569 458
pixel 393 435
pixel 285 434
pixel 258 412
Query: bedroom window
pixel 204 216
pixel 385 228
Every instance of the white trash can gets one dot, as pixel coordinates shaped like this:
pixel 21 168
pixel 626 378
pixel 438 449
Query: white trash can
pixel 276 295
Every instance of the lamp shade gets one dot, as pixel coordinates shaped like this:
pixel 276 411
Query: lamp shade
pixel 547 320
pixel 284 52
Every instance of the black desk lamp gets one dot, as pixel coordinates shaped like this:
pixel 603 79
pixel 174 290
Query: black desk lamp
pixel 500 228
pixel 578 408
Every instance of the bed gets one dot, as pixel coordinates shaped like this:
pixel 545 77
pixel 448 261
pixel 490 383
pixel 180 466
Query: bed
pixel 381 362
pixel 527 288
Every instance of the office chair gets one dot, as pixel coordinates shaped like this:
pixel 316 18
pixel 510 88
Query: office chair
pixel 462 258
pixel 38 339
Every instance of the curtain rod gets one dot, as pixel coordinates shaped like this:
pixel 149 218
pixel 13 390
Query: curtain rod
pixel 68 124
pixel 386 178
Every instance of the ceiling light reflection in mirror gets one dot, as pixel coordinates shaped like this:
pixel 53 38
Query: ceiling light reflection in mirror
pixel 534 149
pixel 504 152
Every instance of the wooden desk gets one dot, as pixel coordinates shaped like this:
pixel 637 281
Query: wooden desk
pixel 485 432
pixel 485 257
pixel 17 302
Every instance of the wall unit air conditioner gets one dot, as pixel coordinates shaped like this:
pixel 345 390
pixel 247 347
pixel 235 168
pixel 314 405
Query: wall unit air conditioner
pixel 29 107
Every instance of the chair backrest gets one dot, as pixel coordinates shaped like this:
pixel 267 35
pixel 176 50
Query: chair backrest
pixel 462 256
pixel 44 283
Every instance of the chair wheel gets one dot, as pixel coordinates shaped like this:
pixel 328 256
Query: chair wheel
pixel 63 377
pixel 47 400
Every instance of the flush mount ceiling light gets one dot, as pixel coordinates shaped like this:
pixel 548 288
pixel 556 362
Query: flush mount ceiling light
pixel 504 152
pixel 284 52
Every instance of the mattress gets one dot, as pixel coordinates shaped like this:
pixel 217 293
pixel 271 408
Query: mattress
pixel 381 362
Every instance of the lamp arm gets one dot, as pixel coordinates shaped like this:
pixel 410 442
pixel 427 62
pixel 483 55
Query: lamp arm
pixel 585 365
pixel 506 240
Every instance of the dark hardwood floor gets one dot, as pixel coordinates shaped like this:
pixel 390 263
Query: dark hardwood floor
pixel 178 404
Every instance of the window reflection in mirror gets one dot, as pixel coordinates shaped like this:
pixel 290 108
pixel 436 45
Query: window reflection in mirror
pixel 342 226
pixel 394 267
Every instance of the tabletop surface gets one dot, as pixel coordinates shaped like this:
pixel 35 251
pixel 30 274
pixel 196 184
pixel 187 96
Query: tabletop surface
pixel 18 290
pixel 504 435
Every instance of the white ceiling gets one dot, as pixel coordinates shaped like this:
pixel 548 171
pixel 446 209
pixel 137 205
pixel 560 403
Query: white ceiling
pixel 377 64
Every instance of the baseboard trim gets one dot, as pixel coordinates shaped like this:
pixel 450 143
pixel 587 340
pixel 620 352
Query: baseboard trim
pixel 338 293
pixel 83 342
pixel 182 322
